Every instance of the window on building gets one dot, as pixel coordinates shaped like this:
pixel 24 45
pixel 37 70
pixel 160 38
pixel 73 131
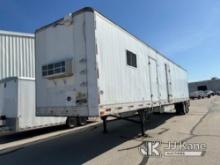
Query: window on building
pixel 131 59
pixel 202 88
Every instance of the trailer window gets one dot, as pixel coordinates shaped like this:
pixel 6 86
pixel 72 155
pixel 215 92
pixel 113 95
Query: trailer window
pixel 131 59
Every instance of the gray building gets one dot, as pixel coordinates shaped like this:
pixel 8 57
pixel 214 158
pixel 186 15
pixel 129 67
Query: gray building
pixel 213 84
pixel 17 57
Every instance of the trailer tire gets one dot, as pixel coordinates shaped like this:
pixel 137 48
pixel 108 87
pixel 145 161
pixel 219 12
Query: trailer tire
pixel 182 108
pixel 81 121
pixel 71 122
pixel 187 105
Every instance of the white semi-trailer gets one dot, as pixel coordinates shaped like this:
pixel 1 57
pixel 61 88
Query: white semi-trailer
pixel 88 66
pixel 17 106
pixel 17 84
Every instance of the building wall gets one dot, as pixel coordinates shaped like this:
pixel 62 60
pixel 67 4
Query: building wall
pixel 17 57
pixel 213 85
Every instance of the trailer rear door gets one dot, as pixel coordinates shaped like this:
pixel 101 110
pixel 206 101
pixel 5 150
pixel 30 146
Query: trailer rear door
pixel 154 83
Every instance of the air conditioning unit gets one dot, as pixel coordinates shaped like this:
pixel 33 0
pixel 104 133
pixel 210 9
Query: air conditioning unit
pixel 58 69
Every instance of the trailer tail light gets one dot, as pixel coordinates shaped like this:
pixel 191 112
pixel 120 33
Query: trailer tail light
pixel 108 110
pixel 105 112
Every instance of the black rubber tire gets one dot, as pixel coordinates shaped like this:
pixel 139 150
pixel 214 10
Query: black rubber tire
pixel 182 108
pixel 156 113
pixel 81 121
pixel 71 122
pixel 187 105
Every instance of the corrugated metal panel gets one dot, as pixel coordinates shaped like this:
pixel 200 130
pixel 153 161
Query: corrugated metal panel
pixel 17 55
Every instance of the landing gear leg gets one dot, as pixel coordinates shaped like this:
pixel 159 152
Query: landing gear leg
pixel 142 121
pixel 104 119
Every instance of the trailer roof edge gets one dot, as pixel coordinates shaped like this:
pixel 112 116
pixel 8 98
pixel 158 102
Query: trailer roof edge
pixel 90 9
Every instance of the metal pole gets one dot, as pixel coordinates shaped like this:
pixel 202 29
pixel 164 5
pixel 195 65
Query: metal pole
pixel 142 121
pixel 104 119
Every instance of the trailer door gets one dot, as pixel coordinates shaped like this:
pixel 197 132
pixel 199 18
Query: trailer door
pixel 154 83
pixel 168 83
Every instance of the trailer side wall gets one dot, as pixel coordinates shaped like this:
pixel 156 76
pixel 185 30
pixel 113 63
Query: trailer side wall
pixel 122 84
pixel 18 106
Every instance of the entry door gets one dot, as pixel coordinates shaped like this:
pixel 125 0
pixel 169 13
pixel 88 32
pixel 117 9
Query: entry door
pixel 154 83
pixel 168 83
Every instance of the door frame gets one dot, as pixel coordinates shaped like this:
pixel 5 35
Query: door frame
pixel 150 77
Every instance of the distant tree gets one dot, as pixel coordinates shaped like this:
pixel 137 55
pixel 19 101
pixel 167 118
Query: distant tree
pixel 214 78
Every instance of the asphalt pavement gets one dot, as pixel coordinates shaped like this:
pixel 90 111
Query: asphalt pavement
pixel 122 143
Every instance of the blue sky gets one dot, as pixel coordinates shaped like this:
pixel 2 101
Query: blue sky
pixel 188 32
